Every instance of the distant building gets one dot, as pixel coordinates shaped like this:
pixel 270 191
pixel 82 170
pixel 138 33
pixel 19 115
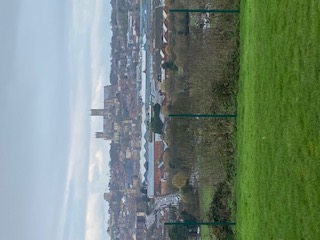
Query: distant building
pixel 110 113
pixel 107 196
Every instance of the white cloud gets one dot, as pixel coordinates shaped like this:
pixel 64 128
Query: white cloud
pixel 76 182
pixel 87 177
pixel 81 15
pixel 96 164
pixel 97 93
pixel 95 220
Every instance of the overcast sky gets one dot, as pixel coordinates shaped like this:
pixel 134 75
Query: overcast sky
pixel 54 62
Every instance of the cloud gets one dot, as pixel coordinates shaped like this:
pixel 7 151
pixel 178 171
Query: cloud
pixel 81 15
pixel 83 214
pixel 73 214
pixel 75 200
pixel 95 227
pixel 96 165
pixel 98 182
pixel 52 75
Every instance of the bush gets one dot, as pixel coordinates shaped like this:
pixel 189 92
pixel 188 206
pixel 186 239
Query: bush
pixel 169 65
pixel 156 123
pixel 220 212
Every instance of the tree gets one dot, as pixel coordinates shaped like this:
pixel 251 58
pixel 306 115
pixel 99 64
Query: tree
pixel 178 232
pixel 169 65
pixel 187 217
pixel 179 180
pixel 156 123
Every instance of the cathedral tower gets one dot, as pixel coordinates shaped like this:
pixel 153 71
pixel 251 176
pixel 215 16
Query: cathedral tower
pixel 98 112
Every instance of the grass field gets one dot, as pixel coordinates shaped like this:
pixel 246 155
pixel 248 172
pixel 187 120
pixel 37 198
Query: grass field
pixel 205 197
pixel 278 183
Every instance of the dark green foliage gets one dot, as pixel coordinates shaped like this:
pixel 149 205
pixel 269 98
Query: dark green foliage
pixel 187 217
pixel 156 109
pixel 178 232
pixel 187 188
pixel 156 123
pixel 169 65
pixel 220 212
pixel 219 207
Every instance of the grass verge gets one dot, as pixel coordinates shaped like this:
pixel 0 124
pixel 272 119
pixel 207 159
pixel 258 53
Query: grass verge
pixel 278 191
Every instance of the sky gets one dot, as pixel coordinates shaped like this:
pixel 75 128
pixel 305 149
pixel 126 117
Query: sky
pixel 54 62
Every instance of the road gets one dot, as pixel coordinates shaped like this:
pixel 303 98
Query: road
pixel 162 202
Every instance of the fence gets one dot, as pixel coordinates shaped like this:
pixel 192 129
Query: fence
pixel 202 61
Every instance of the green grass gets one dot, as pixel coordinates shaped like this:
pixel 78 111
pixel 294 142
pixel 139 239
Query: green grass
pixel 278 183
pixel 205 198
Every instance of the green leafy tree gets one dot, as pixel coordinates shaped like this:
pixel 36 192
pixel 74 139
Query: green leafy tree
pixel 169 65
pixel 178 233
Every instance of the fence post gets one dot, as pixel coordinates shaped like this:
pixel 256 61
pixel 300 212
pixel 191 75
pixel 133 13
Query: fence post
pixel 206 10
pixel 193 223
pixel 204 115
